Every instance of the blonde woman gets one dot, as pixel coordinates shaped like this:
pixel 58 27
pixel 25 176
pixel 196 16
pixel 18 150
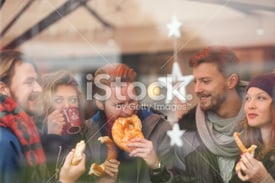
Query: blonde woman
pixel 61 116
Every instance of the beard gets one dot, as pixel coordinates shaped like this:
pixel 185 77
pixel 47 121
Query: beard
pixel 29 104
pixel 212 103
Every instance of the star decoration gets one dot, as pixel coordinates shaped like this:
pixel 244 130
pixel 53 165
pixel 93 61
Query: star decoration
pixel 175 135
pixel 175 84
pixel 174 27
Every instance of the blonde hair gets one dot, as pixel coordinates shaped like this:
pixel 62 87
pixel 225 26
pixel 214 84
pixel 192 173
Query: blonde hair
pixel 49 83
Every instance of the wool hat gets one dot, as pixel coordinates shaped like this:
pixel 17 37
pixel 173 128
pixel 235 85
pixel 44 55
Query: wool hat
pixel 264 82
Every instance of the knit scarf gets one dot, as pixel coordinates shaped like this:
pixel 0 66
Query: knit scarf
pixel 22 125
pixel 217 133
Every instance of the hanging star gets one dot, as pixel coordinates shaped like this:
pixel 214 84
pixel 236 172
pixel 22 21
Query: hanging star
pixel 176 84
pixel 174 27
pixel 175 135
pixel 176 73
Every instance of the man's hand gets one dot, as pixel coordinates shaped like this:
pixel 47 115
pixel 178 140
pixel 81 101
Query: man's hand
pixel 111 167
pixel 144 149
pixel 70 173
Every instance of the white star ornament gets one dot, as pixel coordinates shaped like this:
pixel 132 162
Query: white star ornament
pixel 174 28
pixel 175 135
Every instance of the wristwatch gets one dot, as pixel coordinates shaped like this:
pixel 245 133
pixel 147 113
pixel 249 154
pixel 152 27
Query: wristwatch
pixel 158 166
pixel 158 169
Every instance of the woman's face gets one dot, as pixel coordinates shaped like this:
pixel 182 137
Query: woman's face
pixel 65 96
pixel 258 108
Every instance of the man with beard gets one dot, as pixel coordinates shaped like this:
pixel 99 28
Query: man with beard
pixel 209 152
pixel 22 158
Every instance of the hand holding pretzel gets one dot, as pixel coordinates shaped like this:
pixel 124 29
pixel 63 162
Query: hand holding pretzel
pixel 250 150
pixel 110 166
pixel 125 129
pixel 69 172
pixel 252 170
pixel 78 153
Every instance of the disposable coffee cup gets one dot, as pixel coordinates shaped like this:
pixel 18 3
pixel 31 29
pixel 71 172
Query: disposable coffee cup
pixel 72 120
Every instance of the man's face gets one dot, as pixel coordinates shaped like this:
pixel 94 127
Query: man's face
pixel 24 86
pixel 210 86
pixel 122 102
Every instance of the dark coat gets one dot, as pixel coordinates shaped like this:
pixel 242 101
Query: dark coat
pixel 56 147
pixel 194 163
pixel 154 128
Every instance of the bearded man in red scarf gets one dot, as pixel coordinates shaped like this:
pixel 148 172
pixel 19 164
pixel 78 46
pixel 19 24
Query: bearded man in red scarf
pixel 22 158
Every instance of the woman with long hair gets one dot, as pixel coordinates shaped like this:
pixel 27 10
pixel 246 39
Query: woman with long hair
pixel 60 108
pixel 259 129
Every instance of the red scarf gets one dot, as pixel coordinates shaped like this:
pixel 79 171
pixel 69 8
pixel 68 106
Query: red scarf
pixel 24 128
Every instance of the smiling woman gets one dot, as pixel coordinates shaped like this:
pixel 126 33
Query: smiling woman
pixel 259 129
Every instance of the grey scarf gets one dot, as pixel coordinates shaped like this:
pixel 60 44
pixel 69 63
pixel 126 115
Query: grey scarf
pixel 217 133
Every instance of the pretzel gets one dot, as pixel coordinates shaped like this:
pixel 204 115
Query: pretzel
pixel 250 150
pixel 99 170
pixel 79 149
pixel 125 129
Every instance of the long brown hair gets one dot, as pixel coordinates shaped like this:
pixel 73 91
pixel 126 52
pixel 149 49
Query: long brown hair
pixel 273 123
pixel 252 135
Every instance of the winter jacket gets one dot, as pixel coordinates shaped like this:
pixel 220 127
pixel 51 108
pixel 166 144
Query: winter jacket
pixel 13 166
pixel 11 157
pixel 154 128
pixel 195 163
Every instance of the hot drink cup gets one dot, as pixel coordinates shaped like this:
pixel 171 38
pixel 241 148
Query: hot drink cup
pixel 72 120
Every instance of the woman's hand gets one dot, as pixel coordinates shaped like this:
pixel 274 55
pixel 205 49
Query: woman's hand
pixel 144 149
pixel 56 122
pixel 251 169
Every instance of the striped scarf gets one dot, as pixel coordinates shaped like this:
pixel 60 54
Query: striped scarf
pixel 22 125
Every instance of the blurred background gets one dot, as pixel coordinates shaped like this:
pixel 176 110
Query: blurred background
pixel 82 35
